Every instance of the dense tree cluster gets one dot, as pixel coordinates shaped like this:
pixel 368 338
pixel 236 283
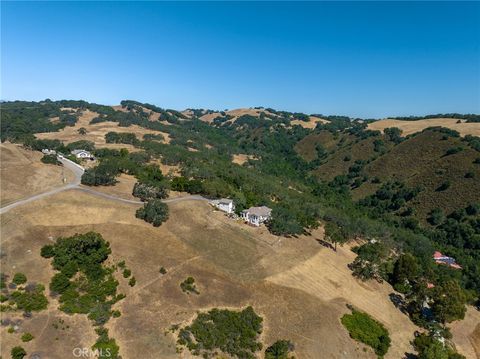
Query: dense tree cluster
pixel 50 159
pixel 154 212
pixel 85 284
pixel 232 332
pixel 121 137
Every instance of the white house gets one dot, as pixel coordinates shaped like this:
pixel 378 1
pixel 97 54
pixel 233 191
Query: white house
pixel 46 151
pixel 256 215
pixel 223 204
pixel 82 154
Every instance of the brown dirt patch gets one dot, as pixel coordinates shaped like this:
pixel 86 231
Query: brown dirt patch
pixel 466 334
pixel 311 124
pixel 23 174
pixel 409 127
pixel 241 158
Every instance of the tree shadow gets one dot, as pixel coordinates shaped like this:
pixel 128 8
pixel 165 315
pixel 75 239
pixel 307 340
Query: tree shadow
pixel 325 243
pixel 398 302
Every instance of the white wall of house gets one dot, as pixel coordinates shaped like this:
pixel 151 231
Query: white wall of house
pixel 223 205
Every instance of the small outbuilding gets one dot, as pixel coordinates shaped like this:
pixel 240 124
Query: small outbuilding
pixel 224 204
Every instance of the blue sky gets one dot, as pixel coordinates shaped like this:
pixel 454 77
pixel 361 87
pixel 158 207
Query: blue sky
pixel 367 59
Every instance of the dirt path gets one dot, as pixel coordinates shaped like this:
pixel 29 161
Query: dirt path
pixel 78 171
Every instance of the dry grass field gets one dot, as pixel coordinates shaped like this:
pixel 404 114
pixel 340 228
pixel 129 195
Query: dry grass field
pixel 299 287
pixel 409 127
pixel 226 258
pixel 96 132
pixel 327 277
pixel 23 174
pixel 466 334
pixel 236 113
pixel 241 158
pixel 311 124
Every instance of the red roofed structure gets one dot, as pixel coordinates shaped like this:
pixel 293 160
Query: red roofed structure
pixel 440 258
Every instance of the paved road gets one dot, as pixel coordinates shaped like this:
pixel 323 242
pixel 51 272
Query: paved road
pixel 75 185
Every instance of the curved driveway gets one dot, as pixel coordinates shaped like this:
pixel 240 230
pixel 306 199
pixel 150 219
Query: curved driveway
pixel 78 171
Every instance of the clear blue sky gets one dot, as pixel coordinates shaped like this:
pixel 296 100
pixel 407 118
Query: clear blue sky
pixel 369 59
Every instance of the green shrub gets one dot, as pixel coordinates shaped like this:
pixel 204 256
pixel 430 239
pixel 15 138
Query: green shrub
pixel 132 282
pixel 188 286
pixel 368 331
pixel 232 332
pixel 279 350
pixel 18 353
pixel 50 159
pixel 26 337
pixel 127 273
pixel 32 300
pixel 163 270
pixel 443 186
pixel 19 278
pixel 107 347
pixel 154 211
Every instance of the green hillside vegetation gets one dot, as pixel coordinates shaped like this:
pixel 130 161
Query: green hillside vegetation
pixel 307 147
pixel 83 281
pixel 367 330
pixel 410 195
pixel 232 332
pixel 427 160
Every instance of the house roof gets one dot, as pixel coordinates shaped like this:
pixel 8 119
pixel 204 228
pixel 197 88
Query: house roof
pixel 259 211
pixel 226 201
pixel 76 152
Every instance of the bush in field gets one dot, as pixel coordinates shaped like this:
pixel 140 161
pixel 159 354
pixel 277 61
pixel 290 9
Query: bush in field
pixel 368 331
pixel 444 186
pixel 18 353
pixel 19 278
pixel 154 212
pixel 50 159
pixel 32 300
pixel 26 337
pixel 232 332
pixel 126 273
pixel 279 350
pixel 188 285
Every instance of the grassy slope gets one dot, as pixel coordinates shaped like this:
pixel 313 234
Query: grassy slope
pixel 420 160
pixel 306 147
pixel 336 164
